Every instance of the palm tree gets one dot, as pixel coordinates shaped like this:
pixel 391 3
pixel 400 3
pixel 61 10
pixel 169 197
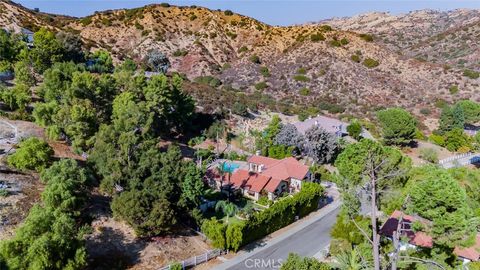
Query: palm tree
pixel 352 260
pixel 229 209
pixel 221 172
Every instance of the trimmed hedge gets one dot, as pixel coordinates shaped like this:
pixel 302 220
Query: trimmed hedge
pixel 260 224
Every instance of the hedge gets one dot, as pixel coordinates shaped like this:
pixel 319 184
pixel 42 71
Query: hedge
pixel 260 224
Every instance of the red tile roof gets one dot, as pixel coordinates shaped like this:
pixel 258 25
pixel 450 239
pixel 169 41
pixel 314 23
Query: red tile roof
pixel 281 169
pixel 472 253
pixel 250 181
pixel 273 184
pixel 415 238
pixel 262 160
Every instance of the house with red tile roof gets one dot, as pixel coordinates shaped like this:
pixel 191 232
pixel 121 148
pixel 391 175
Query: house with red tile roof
pixel 421 239
pixel 288 169
pixel 262 176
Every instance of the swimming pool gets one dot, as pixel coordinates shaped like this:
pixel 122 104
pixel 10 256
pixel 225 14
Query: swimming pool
pixel 230 167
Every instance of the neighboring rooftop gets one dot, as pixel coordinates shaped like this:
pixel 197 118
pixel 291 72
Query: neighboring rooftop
pixel 422 239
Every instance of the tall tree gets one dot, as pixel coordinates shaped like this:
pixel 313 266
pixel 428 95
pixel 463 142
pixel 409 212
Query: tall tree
pixel 398 126
pixel 320 145
pixel 369 168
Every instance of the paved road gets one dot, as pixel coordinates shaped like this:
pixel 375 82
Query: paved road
pixel 307 241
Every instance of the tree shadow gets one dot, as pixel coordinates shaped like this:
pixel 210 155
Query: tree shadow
pixel 256 244
pixel 111 250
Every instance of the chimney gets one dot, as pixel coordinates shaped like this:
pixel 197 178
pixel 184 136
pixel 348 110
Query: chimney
pixel 257 153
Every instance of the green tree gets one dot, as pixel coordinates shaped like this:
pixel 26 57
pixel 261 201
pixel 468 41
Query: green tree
pixel 17 97
pixel 192 186
pixel 439 198
pixel 31 154
pixel 451 118
pixel 229 209
pixel 100 62
pixel 471 111
pixel 355 130
pixel 46 50
pixel 398 126
pixel 369 166
pixel 24 74
pixel 295 262
pixel 66 186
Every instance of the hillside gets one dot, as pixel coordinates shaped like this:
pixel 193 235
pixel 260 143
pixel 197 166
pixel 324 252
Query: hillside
pixel 450 37
pixel 309 65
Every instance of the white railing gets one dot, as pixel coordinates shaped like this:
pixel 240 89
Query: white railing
pixel 457 157
pixel 196 260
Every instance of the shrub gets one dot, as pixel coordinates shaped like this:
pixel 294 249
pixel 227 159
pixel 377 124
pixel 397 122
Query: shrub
pixel 32 154
pixel 331 108
pixel 471 74
pixel 4 193
pixel 239 108
pixel 263 200
pixel 370 63
pixel 456 139
pixel 243 49
pixel 138 25
pixel 429 154
pixel 355 130
pixel 304 91
pixel 255 59
pixel 215 231
pixel 180 52
pixel 356 58
pixel 176 266
pixel 193 17
pixel 425 111
pixel 302 71
pixel 265 72
pixel 166 5
pixel 301 78
pixel 261 85
pixel 437 139
pixel 317 37
pixel 453 89
pixel 366 37
pixel 228 12
pixel 335 43
pixel 344 41
pixel 326 28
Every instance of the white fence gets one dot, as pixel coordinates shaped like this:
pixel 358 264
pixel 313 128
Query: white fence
pixel 460 160
pixel 456 157
pixel 196 260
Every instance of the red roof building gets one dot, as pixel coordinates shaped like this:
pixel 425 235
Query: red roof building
pixel 421 239
pixel 270 176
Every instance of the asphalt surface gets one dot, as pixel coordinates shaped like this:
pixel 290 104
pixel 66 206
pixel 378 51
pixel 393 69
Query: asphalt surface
pixel 306 242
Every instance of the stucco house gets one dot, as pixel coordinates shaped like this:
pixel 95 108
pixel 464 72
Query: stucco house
pixel 270 177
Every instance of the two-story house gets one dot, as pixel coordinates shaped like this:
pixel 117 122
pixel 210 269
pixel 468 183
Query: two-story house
pixel 270 176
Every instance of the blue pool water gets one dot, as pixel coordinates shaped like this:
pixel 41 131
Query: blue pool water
pixel 230 167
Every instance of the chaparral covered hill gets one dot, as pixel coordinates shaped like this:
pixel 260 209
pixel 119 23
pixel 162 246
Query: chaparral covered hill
pixel 311 65
pixel 449 37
